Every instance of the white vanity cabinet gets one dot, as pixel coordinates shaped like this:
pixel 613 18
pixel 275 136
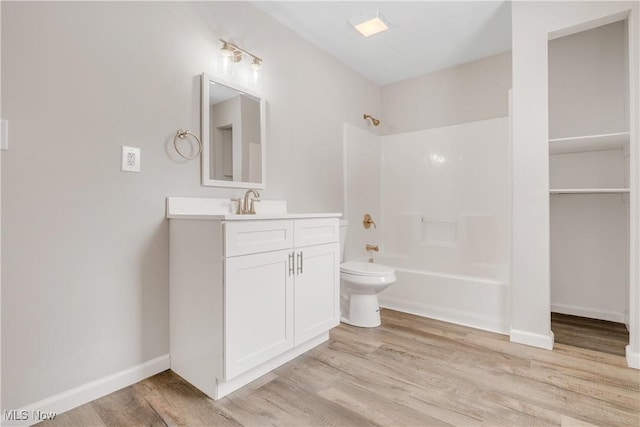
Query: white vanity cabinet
pixel 317 306
pixel 249 295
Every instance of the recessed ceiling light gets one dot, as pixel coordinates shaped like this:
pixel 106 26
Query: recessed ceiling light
pixel 370 23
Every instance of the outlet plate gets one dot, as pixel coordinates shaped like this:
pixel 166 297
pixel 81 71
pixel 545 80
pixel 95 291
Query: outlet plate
pixel 130 159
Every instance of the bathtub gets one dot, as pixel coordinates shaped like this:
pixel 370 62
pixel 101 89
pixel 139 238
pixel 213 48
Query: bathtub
pixel 474 301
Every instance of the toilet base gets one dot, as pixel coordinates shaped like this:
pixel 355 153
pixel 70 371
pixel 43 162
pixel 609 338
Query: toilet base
pixel 361 310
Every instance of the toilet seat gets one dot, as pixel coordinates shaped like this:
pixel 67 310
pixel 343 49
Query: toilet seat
pixel 360 268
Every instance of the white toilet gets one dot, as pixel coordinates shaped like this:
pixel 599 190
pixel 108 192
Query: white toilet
pixel 360 283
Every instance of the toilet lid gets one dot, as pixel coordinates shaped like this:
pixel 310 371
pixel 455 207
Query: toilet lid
pixel 365 268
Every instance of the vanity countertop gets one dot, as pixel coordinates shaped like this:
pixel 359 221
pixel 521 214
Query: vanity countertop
pixel 256 217
pixel 222 210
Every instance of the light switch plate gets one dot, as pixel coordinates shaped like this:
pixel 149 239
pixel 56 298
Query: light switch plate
pixel 130 159
pixel 4 134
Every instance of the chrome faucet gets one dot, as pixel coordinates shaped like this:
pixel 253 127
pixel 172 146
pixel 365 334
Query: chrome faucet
pixel 246 207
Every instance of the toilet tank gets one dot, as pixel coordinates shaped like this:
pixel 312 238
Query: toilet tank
pixel 344 224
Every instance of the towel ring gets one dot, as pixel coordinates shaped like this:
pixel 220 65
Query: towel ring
pixel 182 134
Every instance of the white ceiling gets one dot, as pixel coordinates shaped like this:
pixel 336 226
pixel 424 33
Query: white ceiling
pixel 425 36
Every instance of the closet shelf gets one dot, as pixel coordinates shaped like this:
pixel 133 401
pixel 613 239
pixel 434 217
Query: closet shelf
pixel 588 190
pixel 579 144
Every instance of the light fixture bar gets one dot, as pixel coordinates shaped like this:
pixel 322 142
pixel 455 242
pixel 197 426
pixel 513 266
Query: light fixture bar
pixel 236 51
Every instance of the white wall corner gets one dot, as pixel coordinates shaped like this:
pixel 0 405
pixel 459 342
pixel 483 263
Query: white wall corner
pixel 85 393
pixel 532 339
pixel 633 358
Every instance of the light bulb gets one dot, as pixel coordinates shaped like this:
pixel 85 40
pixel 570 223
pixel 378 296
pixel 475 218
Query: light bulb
pixel 226 51
pixel 256 64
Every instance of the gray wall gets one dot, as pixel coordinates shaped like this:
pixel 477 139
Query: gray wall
pixel 588 87
pixel 84 245
pixel 469 92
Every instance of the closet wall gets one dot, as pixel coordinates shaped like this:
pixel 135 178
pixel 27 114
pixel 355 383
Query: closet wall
pixel 588 173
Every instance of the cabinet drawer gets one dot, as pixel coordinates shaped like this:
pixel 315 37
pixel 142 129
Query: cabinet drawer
pixel 316 231
pixel 242 238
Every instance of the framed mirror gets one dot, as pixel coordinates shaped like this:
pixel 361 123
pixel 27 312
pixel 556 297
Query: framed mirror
pixel 233 136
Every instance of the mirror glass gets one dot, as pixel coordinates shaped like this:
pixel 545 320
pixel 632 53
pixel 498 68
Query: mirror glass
pixel 233 136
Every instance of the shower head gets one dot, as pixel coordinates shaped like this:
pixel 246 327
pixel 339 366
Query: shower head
pixel 375 121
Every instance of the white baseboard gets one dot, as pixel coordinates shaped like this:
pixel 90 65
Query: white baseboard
pixel 633 358
pixel 459 317
pixel 85 393
pixel 532 339
pixel 588 312
pixel 626 321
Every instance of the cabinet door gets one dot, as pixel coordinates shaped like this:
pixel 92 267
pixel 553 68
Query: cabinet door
pixel 317 290
pixel 258 307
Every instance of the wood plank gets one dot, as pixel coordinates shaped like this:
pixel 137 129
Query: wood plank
pixel 126 407
pixel 409 371
pixel 593 334
pixel 177 402
pixel 84 415
pixel 283 402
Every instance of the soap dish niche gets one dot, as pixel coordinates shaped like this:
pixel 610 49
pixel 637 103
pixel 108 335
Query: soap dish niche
pixel 439 232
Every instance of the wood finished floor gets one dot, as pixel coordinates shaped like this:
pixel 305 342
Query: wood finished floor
pixel 411 371
pixel 599 335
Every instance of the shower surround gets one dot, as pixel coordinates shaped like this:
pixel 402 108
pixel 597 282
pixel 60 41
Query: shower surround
pixel 442 201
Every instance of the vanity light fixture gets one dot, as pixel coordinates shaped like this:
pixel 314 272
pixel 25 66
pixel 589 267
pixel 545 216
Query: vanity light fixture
pixel 234 53
pixel 370 23
pixel 226 50
pixel 256 64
